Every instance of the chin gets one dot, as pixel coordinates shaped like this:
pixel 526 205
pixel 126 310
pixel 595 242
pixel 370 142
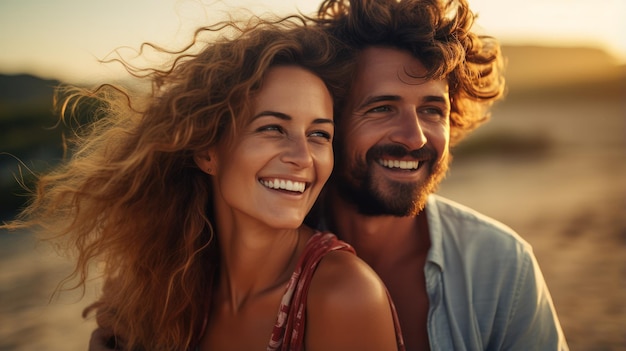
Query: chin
pixel 380 197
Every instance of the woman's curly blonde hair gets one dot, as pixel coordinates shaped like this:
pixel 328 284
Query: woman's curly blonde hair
pixel 131 197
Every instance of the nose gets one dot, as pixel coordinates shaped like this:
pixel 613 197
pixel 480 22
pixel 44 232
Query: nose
pixel 407 131
pixel 298 152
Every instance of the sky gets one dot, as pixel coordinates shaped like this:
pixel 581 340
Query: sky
pixel 64 39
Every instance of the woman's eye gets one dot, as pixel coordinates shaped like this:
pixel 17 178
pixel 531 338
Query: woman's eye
pixel 270 128
pixel 322 134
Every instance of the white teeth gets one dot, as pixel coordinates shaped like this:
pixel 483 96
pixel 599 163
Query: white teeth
pixel 399 164
pixel 284 184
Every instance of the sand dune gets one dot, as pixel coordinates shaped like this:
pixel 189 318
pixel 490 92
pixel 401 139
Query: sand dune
pixel 531 67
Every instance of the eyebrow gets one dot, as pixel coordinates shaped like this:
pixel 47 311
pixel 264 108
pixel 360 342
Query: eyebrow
pixel 286 117
pixel 435 98
pixel 380 98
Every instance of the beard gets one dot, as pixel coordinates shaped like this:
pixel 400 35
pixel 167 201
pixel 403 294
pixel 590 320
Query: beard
pixel 375 195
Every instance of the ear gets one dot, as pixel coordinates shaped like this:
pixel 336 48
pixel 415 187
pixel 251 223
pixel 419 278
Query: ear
pixel 205 160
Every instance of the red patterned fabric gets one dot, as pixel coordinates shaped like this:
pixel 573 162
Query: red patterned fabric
pixel 288 333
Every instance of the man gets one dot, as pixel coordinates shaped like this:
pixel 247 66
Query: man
pixel 459 280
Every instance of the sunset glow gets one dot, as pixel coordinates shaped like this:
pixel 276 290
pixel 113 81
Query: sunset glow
pixel 64 39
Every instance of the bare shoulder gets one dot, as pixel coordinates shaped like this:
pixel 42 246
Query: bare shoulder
pixel 341 274
pixel 348 307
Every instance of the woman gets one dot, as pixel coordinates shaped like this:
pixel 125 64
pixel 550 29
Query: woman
pixel 194 198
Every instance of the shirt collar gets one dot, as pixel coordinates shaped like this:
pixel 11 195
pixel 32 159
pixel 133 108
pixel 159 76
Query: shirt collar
pixel 435 229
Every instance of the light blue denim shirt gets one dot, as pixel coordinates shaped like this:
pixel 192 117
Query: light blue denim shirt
pixel 485 287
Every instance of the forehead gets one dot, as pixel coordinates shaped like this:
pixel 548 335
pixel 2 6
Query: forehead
pixel 389 62
pixel 389 71
pixel 290 91
pixel 290 87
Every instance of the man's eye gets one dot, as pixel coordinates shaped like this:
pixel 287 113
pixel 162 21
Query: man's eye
pixel 378 109
pixel 432 113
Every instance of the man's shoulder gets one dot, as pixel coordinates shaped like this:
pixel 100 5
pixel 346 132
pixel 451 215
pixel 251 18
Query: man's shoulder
pixel 470 229
pixel 475 250
pixel 487 262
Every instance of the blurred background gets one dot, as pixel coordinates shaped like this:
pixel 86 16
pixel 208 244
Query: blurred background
pixel 550 163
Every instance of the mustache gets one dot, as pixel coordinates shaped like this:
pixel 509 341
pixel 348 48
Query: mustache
pixel 398 151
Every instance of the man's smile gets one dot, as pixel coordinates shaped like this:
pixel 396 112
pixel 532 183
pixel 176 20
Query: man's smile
pixel 401 164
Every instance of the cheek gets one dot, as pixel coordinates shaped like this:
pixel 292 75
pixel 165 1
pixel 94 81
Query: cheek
pixel 439 137
pixel 325 161
pixel 352 147
pixel 358 139
pixel 240 160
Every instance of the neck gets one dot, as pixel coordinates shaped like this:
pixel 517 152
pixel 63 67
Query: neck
pixel 379 240
pixel 255 261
